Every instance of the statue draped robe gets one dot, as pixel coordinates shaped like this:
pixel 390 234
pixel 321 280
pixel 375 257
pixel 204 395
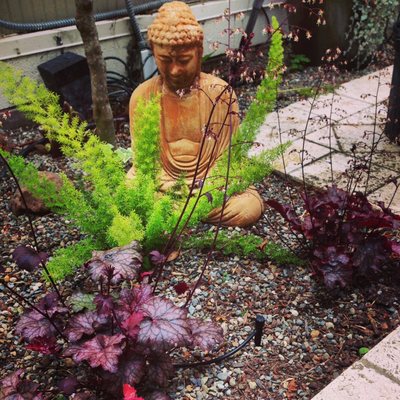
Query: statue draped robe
pixel 184 119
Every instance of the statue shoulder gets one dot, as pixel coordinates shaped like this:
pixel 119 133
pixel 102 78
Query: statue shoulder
pixel 212 83
pixel 145 90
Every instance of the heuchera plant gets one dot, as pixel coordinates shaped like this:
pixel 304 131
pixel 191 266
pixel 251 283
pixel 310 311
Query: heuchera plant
pixel 346 236
pixel 122 331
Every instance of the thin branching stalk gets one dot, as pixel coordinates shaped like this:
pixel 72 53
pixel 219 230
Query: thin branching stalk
pixel 32 229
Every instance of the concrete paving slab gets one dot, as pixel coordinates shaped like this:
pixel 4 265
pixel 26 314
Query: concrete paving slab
pixel 320 174
pixel 360 383
pixel 371 88
pixel 295 156
pixel 385 194
pixel 333 107
pixel 385 357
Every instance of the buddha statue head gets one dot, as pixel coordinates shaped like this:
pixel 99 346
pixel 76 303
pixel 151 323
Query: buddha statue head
pixel 176 39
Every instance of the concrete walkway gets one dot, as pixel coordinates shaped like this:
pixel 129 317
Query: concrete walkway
pixel 351 118
pixel 354 122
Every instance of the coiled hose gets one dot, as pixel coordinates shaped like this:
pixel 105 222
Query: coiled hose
pixel 60 23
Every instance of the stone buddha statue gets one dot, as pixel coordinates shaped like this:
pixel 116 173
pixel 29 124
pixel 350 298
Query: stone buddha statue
pixel 191 101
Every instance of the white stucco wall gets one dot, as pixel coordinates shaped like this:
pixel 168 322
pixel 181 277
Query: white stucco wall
pixel 27 51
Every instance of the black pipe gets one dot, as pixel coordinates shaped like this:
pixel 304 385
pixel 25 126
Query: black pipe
pixel 60 23
pixel 392 127
pixel 256 334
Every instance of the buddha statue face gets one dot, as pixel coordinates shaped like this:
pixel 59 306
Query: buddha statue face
pixel 176 39
pixel 178 65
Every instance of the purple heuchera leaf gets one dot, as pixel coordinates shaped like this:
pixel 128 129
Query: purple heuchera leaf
pixel 133 368
pixel 34 325
pixel 287 213
pixel 28 258
pixel 157 258
pixel 84 324
pixel 10 383
pixel 49 304
pixel 371 254
pixel 205 335
pixel 164 325
pixel 68 385
pixel 159 369
pixel 44 345
pixel 126 262
pixel 131 325
pixel 131 300
pixel 101 351
pixel 104 304
pixel 14 388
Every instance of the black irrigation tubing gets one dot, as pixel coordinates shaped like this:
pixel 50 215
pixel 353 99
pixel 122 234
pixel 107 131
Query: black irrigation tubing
pixel 256 334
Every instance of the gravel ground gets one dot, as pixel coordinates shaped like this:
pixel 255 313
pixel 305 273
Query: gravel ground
pixel 310 336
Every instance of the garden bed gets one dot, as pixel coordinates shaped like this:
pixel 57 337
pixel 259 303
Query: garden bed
pixel 310 335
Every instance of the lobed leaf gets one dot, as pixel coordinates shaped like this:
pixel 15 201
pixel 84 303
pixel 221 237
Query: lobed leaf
pixel 205 335
pixel 126 262
pixel 164 325
pixel 84 324
pixel 101 351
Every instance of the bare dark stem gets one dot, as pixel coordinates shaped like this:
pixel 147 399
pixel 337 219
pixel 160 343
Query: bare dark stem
pixel 32 229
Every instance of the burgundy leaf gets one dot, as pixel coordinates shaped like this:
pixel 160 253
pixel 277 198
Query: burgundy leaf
pixel 164 326
pixel 160 369
pixel 84 324
pixel 34 325
pixel 131 300
pixel 130 393
pixel 68 385
pixel 157 258
pixel 126 262
pixel 101 351
pixel 131 325
pixel 133 368
pixel 181 287
pixel 9 384
pixel 28 258
pixel 44 345
pixel 395 247
pixel 287 213
pixel 49 305
pixel 335 275
pixel 371 254
pixel 205 335
pixel 104 304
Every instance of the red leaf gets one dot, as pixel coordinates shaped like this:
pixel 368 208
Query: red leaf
pixel 130 393
pixel 84 324
pixel 205 335
pixel 131 325
pixel 164 326
pixel 44 345
pixel 68 385
pixel 101 351
pixel 181 287
pixel 126 262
